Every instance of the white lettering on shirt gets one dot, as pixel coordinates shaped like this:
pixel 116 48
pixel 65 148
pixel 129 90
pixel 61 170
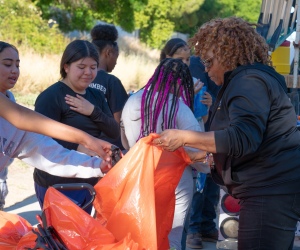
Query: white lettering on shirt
pixel 98 86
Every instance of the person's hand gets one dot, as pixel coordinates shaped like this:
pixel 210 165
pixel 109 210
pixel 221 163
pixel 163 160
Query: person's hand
pixel 97 147
pixel 80 104
pixel 115 157
pixel 196 156
pixel 86 151
pixel 169 139
pixel 105 166
pixel 207 99
pixel 100 147
pixel 198 86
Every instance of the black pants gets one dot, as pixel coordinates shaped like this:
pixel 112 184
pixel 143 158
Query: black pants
pixel 268 222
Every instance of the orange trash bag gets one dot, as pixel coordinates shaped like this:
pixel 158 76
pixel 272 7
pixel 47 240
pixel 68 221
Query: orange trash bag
pixel 64 219
pixel 76 228
pixel 12 228
pixel 28 241
pixel 138 194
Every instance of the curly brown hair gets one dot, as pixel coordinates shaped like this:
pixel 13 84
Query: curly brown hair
pixel 233 42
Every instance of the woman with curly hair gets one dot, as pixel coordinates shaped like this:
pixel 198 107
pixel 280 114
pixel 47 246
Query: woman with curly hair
pixel 253 138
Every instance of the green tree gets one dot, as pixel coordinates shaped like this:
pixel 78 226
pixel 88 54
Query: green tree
pixel 153 22
pixel 69 15
pixel 247 9
pixel 119 12
pixel 82 14
pixel 160 18
pixel 155 19
pixel 21 24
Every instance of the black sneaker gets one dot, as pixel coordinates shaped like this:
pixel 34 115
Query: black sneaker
pixel 212 236
pixel 194 241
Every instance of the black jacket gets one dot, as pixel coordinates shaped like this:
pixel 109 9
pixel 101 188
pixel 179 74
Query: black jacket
pixel 257 141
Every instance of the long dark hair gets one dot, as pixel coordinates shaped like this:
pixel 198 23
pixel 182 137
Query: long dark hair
pixel 75 51
pixel 4 45
pixel 171 80
pixel 171 47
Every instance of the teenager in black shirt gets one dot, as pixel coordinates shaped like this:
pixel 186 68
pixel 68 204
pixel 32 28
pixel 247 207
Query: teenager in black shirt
pixel 104 37
pixel 72 102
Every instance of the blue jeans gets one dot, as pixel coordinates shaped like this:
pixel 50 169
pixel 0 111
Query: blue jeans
pixel 203 210
pixel 268 222
pixel 79 197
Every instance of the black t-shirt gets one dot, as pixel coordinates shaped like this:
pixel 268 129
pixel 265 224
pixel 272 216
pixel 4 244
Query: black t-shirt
pixel 51 103
pixel 112 88
pixel 116 97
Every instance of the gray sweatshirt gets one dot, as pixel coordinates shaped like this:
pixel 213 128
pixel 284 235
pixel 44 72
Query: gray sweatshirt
pixel 4 171
pixel 44 153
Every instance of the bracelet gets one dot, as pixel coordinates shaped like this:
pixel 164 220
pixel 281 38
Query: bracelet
pixel 210 160
pixel 206 158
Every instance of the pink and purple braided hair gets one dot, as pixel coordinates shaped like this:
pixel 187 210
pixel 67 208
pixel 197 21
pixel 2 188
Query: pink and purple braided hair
pixel 171 79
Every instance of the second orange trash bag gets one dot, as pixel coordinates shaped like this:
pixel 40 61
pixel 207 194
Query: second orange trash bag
pixel 138 194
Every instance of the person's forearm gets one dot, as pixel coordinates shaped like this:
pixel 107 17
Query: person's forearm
pixel 26 119
pixel 47 155
pixel 46 126
pixel 32 121
pixel 201 140
pixel 106 123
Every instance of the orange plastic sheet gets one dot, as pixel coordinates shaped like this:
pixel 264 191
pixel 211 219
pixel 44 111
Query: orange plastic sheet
pixel 28 241
pixel 138 194
pixel 77 229
pixel 12 229
pixel 134 203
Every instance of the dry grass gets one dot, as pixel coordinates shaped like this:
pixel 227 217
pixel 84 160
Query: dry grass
pixel 134 70
pixel 135 66
pixel 136 63
pixel 37 71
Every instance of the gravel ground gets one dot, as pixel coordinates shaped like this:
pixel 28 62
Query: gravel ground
pixel 20 182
